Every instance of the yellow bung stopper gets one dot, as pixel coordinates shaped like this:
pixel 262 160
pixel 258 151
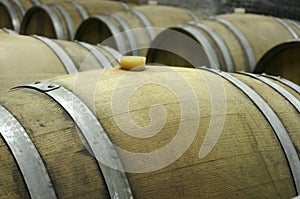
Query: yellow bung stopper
pixel 133 62
pixel 239 10
pixel 152 3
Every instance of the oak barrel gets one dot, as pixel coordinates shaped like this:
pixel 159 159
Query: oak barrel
pixel 153 115
pixel 138 27
pixel 60 20
pixel 282 60
pixel 25 59
pixel 230 42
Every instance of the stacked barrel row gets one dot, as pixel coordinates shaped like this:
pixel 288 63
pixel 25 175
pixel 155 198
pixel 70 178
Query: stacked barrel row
pixel 59 20
pixel 82 120
pixel 12 12
pixel 226 38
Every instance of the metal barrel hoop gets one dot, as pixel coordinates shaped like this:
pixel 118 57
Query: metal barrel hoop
pixel 287 27
pixel 128 32
pixel 102 60
pixel 195 18
pixel 56 23
pixel 61 53
pixel 286 82
pixel 68 20
pixel 209 50
pixel 115 54
pixel 82 11
pixel 94 134
pixel 115 32
pixel 9 31
pixel 243 41
pixel 220 42
pixel 36 2
pixel 20 6
pixel 287 95
pixel 276 124
pixel 27 157
pixel 147 24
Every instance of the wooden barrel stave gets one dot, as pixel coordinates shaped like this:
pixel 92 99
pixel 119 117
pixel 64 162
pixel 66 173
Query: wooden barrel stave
pixel 247 160
pixel 11 76
pixel 42 61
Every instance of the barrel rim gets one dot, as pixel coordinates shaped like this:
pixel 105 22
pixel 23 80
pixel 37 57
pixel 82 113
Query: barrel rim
pixel 99 20
pixel 12 13
pixel 87 22
pixel 48 12
pixel 264 61
pixel 152 51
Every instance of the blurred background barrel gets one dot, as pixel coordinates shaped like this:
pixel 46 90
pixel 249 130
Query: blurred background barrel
pixel 25 59
pixel 12 11
pixel 282 60
pixel 230 42
pixel 283 9
pixel 248 159
pixel 60 20
pixel 208 7
pixel 150 20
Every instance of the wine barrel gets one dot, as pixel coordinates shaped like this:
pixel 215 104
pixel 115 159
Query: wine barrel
pixel 151 18
pixel 60 20
pixel 25 59
pixel 230 42
pixel 12 11
pixel 141 121
pixel 282 60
